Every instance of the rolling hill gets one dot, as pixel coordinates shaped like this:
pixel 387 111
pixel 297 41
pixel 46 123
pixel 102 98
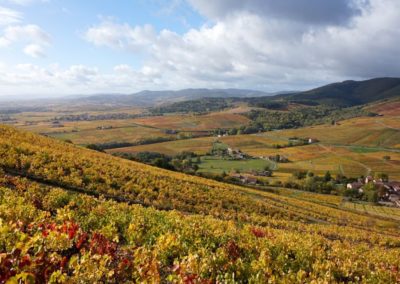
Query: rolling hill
pixel 76 214
pixel 349 93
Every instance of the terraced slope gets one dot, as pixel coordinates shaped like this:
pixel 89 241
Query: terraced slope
pixel 53 162
pixel 81 215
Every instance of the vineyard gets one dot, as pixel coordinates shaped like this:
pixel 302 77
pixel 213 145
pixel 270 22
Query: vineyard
pixel 69 214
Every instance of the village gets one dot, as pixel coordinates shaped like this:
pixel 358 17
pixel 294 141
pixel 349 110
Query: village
pixel 388 191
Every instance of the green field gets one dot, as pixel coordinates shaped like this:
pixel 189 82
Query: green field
pixel 218 165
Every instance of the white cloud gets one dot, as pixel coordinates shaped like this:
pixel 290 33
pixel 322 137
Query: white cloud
pixel 32 36
pixel 34 50
pixel 30 33
pixel 120 36
pixel 29 79
pixel 246 44
pixel 262 44
pixel 9 16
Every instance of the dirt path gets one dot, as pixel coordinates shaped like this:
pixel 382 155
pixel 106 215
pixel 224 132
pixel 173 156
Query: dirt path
pixel 327 148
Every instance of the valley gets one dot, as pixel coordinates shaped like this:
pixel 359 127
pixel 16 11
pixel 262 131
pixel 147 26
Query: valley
pixel 127 187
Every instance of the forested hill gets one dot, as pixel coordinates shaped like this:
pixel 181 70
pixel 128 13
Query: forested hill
pixel 337 95
pixel 349 93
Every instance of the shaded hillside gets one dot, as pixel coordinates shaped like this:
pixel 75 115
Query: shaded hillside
pixel 338 95
pixel 349 93
pixel 150 98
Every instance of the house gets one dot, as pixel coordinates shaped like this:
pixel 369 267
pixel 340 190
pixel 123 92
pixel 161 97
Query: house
pixel 368 179
pixel 264 173
pixel 394 185
pixel 312 140
pixel 237 154
pixel 394 197
pixel 103 127
pixel 248 180
pixel 171 131
pixel 355 185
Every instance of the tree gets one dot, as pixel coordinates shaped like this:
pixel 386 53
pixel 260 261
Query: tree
pixel 370 193
pixel 327 176
pixel 94 147
pixel 382 176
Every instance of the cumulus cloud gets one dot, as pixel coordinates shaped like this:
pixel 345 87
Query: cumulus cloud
pixel 269 44
pixel 9 16
pixel 34 50
pixel 307 11
pixel 33 36
pixel 260 44
pixel 30 79
pixel 31 33
pixel 120 36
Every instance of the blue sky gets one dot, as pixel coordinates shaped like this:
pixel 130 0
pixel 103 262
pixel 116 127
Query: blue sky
pixel 67 21
pixel 61 47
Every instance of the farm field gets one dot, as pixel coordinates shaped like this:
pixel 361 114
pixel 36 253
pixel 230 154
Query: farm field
pixel 195 122
pixel 123 130
pixel 320 158
pixel 203 145
pixel 387 108
pixel 347 160
pixel 363 131
pixel 129 134
pixel 324 199
pixel 199 146
pixel 210 164
pixel 374 210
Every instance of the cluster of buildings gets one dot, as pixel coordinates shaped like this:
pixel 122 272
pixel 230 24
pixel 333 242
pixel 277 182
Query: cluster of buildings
pixel 390 189
pixel 104 127
pixel 236 154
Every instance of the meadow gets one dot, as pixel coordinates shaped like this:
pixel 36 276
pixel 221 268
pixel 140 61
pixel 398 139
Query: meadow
pixel 217 165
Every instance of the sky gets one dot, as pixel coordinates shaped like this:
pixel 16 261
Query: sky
pixel 51 48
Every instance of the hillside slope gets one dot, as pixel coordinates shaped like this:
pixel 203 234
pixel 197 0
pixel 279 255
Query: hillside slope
pixel 81 170
pixel 350 93
pixel 87 216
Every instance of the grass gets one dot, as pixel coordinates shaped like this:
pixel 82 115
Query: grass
pixel 360 149
pixel 211 164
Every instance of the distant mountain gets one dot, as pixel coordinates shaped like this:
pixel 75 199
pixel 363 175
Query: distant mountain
pixel 348 93
pixel 343 94
pixel 150 98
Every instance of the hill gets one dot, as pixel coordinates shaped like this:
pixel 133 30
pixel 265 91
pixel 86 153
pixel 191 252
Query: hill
pixel 151 98
pixel 339 95
pixel 349 93
pixel 74 217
